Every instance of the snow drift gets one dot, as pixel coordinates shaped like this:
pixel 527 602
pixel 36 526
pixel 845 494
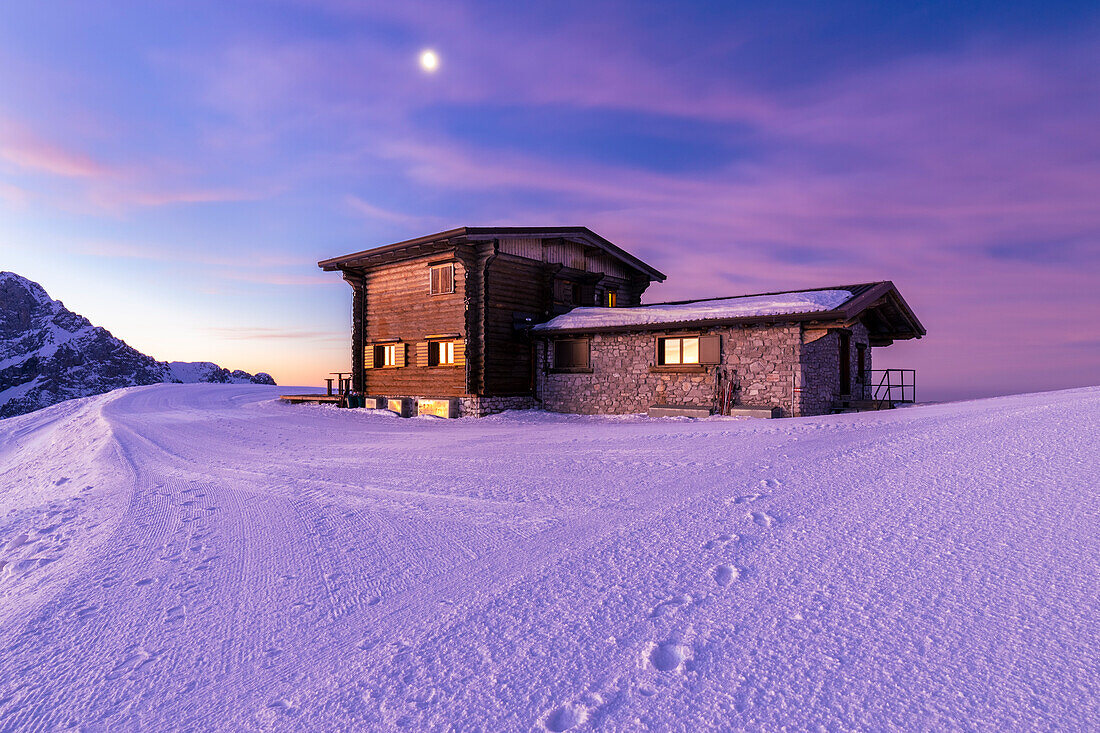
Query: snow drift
pixel 183 557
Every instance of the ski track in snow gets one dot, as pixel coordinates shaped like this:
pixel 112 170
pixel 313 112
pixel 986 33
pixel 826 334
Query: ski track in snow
pixel 183 557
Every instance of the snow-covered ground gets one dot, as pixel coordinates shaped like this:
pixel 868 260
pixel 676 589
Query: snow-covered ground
pixel 192 557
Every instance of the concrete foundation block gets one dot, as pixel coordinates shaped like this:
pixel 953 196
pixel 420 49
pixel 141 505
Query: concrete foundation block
pixel 678 411
pixel 750 411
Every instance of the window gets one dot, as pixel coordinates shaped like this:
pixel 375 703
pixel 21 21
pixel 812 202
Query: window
pixel 611 299
pixel 390 354
pixel 441 353
pixel 678 350
pixel 567 292
pixel 385 355
pixel 442 279
pixel 571 354
pixel 861 363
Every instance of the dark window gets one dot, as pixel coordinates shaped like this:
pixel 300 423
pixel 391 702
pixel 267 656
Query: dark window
pixel 845 363
pixel 861 363
pixel 567 292
pixel 442 279
pixel 571 354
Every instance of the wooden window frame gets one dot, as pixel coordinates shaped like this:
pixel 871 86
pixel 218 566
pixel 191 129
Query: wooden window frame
pixel 392 349
pixel 432 270
pixel 708 345
pixel 575 346
pixel 439 350
pixel 563 291
pixel 661 358
pixel 382 354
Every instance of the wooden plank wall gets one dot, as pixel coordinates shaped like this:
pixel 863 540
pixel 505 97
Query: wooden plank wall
pixel 399 306
pixel 570 254
pixel 606 264
pixel 514 285
pixel 529 247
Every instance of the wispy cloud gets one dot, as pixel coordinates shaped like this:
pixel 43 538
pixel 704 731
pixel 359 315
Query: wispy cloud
pixel 28 150
pixel 168 253
pixel 370 211
pixel 261 334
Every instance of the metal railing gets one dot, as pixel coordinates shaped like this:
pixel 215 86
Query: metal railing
pixel 891 385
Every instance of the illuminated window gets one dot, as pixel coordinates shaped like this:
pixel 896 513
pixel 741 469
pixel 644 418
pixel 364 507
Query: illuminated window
pixel 611 299
pixel 385 355
pixel 441 353
pixel 678 350
pixel 442 279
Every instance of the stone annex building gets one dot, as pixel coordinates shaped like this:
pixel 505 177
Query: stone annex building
pixel 476 320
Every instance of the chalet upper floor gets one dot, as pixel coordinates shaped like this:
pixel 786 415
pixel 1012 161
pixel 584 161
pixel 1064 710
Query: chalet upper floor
pixel 483 287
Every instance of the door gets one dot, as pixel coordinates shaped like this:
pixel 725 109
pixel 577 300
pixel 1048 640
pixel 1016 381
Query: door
pixel 845 363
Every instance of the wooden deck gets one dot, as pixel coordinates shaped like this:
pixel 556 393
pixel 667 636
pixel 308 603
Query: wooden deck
pixel 318 398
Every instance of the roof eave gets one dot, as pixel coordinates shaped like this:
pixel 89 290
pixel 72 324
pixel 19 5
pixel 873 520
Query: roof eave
pixel 476 233
pixel 831 316
pixel 350 260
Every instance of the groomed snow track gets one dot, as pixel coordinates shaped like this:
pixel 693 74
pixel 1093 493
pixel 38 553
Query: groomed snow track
pixel 184 557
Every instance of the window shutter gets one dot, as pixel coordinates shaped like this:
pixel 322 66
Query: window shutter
pixel 460 352
pixel 368 357
pixel 399 357
pixel 422 353
pixel 580 353
pixel 710 349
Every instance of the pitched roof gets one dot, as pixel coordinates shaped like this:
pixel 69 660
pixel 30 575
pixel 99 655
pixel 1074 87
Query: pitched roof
pixel 880 303
pixel 583 234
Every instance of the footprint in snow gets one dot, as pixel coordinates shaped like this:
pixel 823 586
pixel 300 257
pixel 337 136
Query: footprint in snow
pixel 669 606
pixel 764 519
pixel 720 541
pixel 770 483
pixel 136 661
pixel 565 717
pixel 283 706
pixel 725 574
pixel 669 656
pixel 749 498
pixel 17 541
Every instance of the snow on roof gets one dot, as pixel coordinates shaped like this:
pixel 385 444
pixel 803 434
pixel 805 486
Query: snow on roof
pixel 745 306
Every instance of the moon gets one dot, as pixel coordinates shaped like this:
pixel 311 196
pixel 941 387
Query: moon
pixel 429 60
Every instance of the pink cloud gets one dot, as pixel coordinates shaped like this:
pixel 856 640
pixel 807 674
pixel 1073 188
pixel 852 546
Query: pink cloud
pixel 370 211
pixel 28 150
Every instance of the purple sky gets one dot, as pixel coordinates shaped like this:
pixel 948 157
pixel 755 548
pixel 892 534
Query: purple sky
pixel 175 172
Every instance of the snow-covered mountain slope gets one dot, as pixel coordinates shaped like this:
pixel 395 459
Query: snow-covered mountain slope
pixel 49 354
pixel 192 557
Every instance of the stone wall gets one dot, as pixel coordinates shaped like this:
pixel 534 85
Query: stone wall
pixel 761 360
pixel 820 386
pixel 482 406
